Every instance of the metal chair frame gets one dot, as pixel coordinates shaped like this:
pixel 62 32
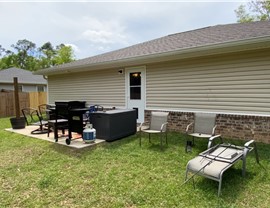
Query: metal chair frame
pixel 158 125
pixel 32 117
pixel 203 127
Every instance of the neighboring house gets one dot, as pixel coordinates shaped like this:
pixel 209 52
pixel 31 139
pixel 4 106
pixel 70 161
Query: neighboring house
pixel 224 69
pixel 26 80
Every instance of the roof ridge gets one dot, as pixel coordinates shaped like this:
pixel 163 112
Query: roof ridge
pixel 193 30
pixel 210 35
pixel 215 26
pixel 169 35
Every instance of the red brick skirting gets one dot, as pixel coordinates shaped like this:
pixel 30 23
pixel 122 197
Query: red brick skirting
pixel 229 126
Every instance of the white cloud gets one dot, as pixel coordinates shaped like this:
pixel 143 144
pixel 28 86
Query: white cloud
pixel 103 37
pixel 97 36
pixel 103 48
pixel 74 47
pixel 96 30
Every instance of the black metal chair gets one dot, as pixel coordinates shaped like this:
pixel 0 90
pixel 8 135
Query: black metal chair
pixel 45 112
pixel 32 117
pixel 59 122
pixel 76 122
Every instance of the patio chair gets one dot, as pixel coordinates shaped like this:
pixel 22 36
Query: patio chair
pixel 158 125
pixel 32 117
pixel 59 121
pixel 44 111
pixel 203 127
pixel 213 162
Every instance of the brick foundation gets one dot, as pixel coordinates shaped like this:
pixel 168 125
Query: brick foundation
pixel 229 126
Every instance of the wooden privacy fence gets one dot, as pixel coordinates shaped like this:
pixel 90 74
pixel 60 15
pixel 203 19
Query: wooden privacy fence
pixel 27 99
pixel 37 98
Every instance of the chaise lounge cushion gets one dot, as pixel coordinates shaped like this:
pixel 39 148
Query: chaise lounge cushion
pixel 214 168
pixel 219 160
pixel 214 161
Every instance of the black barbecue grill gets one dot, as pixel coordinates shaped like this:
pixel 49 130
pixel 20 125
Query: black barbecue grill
pixel 73 111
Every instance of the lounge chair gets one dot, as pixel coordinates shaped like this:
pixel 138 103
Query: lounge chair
pixel 213 162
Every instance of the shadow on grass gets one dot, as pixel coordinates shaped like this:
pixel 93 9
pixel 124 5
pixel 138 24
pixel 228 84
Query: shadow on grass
pixel 135 139
pixel 232 185
pixel 121 141
pixel 126 142
pixel 66 150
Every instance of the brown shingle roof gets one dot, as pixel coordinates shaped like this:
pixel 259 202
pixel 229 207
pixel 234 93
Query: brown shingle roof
pixel 191 39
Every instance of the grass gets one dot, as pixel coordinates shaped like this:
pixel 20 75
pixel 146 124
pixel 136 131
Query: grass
pixel 35 173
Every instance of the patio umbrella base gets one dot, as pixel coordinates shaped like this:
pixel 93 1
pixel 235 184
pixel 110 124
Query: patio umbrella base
pixel 17 123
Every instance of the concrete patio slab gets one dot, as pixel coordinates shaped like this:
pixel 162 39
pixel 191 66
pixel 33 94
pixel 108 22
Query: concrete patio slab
pixel 76 143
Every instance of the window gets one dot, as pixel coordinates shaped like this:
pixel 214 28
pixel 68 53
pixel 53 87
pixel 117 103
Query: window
pixel 20 88
pixel 135 85
pixel 40 88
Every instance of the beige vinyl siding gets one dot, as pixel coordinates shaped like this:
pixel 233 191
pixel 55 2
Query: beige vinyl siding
pixel 236 83
pixel 105 87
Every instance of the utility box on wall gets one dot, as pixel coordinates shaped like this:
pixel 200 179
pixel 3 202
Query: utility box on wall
pixel 114 124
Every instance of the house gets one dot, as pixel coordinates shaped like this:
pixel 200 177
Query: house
pixel 27 81
pixel 223 69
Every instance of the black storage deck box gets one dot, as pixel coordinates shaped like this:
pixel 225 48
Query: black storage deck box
pixel 114 124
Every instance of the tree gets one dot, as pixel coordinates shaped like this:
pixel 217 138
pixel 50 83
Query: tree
pixel 259 10
pixel 8 61
pixel 2 50
pixel 25 51
pixel 27 56
pixel 47 54
pixel 64 54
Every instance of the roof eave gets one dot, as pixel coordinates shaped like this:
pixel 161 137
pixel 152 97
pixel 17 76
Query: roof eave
pixel 211 49
pixel 22 82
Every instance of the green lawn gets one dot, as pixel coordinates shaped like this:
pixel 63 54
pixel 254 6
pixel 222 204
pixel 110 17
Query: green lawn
pixel 35 173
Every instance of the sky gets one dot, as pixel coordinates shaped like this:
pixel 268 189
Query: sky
pixel 96 27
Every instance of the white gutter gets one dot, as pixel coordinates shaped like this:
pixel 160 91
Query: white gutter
pixel 219 48
pixel 23 82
